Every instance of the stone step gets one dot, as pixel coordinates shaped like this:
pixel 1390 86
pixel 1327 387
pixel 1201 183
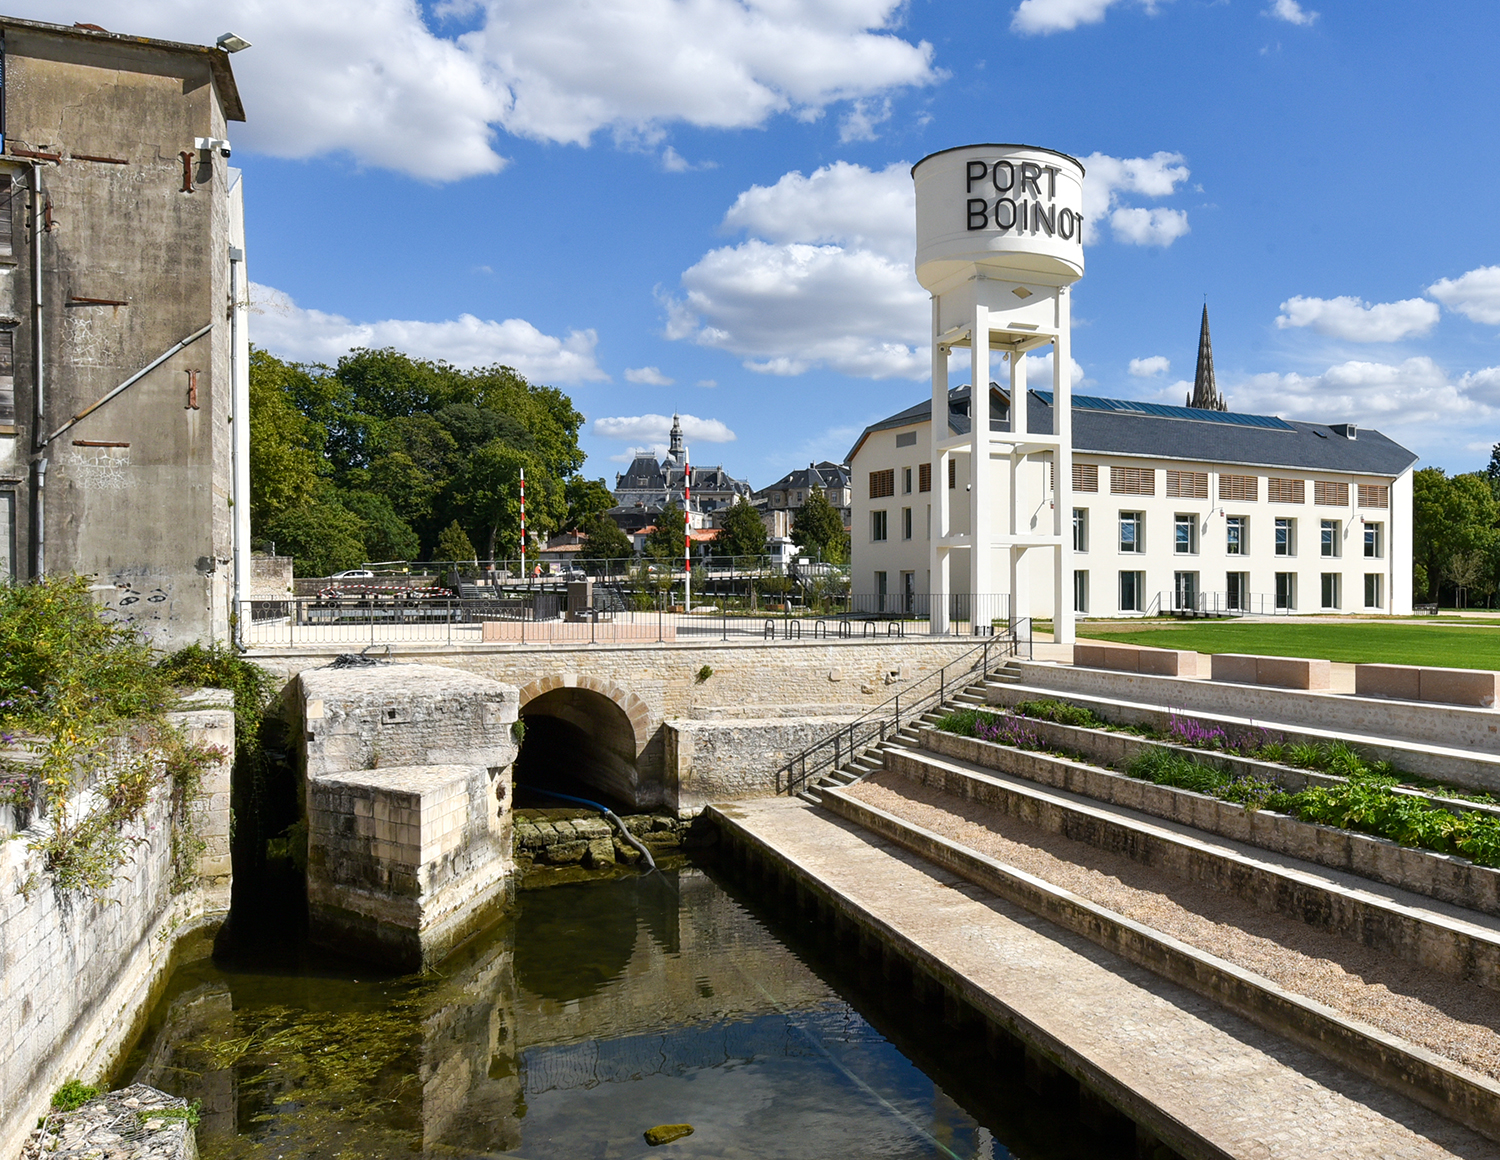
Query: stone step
pixel 1439 936
pixel 808 795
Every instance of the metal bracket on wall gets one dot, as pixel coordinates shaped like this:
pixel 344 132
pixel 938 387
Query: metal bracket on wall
pixel 192 402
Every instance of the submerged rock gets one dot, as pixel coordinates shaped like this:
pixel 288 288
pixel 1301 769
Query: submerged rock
pixel 666 1133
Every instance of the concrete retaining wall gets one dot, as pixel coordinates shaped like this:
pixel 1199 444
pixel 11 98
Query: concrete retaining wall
pixel 717 761
pixel 77 978
pixel 1441 876
pixel 1430 739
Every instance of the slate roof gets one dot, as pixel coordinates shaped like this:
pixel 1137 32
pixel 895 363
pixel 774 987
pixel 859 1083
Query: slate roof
pixel 823 474
pixel 1183 438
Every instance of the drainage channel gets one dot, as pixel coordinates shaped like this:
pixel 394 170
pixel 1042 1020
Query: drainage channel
pixel 592 1012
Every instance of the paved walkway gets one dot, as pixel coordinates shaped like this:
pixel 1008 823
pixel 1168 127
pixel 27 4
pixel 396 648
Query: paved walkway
pixel 1232 1088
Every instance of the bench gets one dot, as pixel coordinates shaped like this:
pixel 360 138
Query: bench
pixel 1132 658
pixel 1279 672
pixel 1424 609
pixel 1439 686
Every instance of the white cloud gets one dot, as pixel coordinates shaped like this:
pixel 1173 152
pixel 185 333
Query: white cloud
pixel 1355 321
pixel 1108 179
pixel 1148 227
pixel 708 382
pixel 1044 16
pixel 1475 295
pixel 1039 372
pixel 372 78
pixel 1291 11
pixel 859 122
pixel 656 428
pixel 826 280
pixel 1145 368
pixel 648 376
pixel 294 332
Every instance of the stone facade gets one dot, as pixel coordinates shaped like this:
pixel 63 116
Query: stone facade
pixel 77 977
pixel 720 761
pixel 408 807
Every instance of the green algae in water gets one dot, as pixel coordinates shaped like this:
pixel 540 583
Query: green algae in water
pixel 594 1013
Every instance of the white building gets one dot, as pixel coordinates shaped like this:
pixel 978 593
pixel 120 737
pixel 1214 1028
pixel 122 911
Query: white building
pixel 1172 508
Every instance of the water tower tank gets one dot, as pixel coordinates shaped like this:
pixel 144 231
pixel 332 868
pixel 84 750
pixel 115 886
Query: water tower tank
pixel 999 210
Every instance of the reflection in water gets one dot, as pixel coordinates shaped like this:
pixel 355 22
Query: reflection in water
pixel 595 1012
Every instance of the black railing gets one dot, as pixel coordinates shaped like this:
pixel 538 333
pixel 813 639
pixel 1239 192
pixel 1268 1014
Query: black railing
pixel 874 727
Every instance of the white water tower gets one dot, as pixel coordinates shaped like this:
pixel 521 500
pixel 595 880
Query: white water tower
pixel 999 243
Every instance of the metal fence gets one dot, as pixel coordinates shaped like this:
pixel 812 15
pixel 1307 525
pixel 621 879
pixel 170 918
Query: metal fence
pixel 921 696
pixel 363 614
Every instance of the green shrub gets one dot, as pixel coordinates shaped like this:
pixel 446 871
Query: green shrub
pixel 1164 766
pixel 966 722
pixel 1060 712
pixel 73 1095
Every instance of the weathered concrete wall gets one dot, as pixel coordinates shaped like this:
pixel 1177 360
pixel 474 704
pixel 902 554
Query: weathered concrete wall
pixel 656 683
pixel 408 807
pixel 720 761
pixel 403 863
pixel 133 262
pixel 270 578
pixel 77 977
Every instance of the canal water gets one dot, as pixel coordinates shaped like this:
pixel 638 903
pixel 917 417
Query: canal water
pixel 595 1011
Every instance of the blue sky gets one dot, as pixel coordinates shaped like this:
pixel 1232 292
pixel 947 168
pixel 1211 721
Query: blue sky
pixel 611 194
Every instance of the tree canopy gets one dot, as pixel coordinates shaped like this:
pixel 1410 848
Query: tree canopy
pixel 1454 536
pixel 667 540
pixel 819 528
pixel 743 533
pixel 374 458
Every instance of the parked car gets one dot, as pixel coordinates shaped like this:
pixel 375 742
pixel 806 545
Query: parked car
pixel 353 574
pixel 573 572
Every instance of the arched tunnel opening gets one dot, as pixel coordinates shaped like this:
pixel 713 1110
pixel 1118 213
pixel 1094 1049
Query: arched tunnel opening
pixel 577 742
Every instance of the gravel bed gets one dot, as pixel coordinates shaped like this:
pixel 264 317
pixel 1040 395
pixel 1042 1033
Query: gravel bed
pixel 1456 1020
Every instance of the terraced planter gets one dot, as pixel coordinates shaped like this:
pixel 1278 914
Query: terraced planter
pixel 1445 877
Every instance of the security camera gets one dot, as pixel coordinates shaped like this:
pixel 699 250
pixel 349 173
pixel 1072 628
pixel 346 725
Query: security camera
pixel 210 144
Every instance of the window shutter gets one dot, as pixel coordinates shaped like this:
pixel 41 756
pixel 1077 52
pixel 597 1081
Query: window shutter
pixel 882 483
pixel 1187 484
pixel 1286 490
pixel 1132 480
pixel 7 375
pixel 1376 495
pixel 1085 477
pixel 1330 494
pixel 952 473
pixel 1243 488
pixel 924 477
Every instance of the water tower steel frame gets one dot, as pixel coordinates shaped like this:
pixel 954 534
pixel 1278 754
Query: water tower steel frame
pixel 999 245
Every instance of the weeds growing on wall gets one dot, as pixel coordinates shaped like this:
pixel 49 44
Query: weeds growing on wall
pixel 86 698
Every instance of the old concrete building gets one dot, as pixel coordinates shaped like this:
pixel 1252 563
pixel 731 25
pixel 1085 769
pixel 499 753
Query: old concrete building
pixel 123 343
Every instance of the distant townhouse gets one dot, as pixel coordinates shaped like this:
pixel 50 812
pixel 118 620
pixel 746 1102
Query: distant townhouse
pixel 792 490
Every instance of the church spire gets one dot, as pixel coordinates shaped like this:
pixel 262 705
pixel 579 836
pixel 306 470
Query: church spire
pixel 1205 394
pixel 674 449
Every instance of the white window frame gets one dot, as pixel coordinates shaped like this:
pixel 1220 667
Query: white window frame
pixel 1374 538
pixel 1330 539
pixel 879 526
pixel 1080 529
pixel 1137 522
pixel 1287 524
pixel 1237 536
pixel 1378 584
pixel 1181 520
pixel 1331 582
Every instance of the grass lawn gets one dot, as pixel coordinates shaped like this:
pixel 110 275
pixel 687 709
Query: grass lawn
pixel 1396 643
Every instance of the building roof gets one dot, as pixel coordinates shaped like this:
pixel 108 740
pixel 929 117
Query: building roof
pixel 218 59
pixel 1185 434
pixel 644 473
pixel 825 474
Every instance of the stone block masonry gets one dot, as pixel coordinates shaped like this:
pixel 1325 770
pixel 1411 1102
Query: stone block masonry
pixel 78 977
pixel 404 862
pixel 719 761
pixel 407 782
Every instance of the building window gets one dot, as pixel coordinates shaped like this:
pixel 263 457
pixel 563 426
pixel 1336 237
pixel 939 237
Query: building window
pixel 906 481
pixel 1080 530
pixel 1187 484
pixel 1132 591
pixel 1185 534
pixel 1372 590
pixel 1286 536
pixel 1374 541
pixel 1328 538
pixel 1236 590
pixel 1132 531
pixel 1239 488
pixel 1330 494
pixel 924 477
pixel 906 439
pixel 952 472
pixel 799 499
pixel 880 588
pixel 1286 590
pixel 906 523
pixel 7 374
pixel 1286 490
pixel 1132 481
pixel 1374 495
pixel 1331 589
pixel 1185 590
pixel 882 483
pixel 877 526
pixel 1080 591
pixel 7 216
pixel 1236 539
pixel 1085 477
pixel 7 537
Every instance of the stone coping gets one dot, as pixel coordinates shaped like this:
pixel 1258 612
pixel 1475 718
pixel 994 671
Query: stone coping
pixel 1422 1075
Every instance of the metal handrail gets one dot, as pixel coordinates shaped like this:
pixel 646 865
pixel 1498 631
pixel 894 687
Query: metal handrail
pixel 872 726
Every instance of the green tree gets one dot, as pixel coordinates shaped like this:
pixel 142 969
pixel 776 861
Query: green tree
pixel 322 536
pixel 285 446
pixel 454 545
pixel 1450 518
pixel 819 528
pixel 742 533
pixel 666 541
pixel 1492 471
pixel 586 498
pixel 387 536
pixel 603 540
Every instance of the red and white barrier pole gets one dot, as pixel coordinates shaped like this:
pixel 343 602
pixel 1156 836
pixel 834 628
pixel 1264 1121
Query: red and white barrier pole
pixel 687 531
pixel 523 523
